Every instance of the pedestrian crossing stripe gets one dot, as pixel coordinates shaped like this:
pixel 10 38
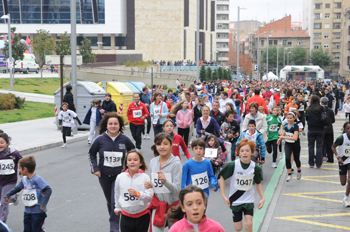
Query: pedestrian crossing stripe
pixel 315 178
pixel 323 166
pixel 299 219
pixel 305 195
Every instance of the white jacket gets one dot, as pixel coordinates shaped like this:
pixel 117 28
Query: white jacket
pixel 125 181
pixel 260 121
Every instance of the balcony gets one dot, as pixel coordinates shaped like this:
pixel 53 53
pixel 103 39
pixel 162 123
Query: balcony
pixel 336 40
pixel 223 2
pixel 335 49
pixel 222 11
pixel 222 30
pixel 223 21
pixel 222 49
pixel 223 58
pixel 337 10
pixel 222 40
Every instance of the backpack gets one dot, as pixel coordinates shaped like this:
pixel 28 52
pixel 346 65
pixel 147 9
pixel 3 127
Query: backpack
pixel 325 119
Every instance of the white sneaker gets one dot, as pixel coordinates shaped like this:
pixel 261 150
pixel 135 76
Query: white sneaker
pixel 144 136
pixel 89 142
pixel 64 145
pixel 346 203
pixel 298 175
pixel 274 165
pixel 147 136
pixel 280 155
pixel 289 178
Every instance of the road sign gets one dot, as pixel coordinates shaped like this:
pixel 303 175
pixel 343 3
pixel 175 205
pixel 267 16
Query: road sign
pixel 67 60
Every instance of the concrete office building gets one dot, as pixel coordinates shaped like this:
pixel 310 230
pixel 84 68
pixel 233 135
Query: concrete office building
pixel 222 30
pixel 345 40
pixel 158 30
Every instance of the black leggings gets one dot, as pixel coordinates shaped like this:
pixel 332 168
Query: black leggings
pixel 272 146
pixel 184 132
pixel 66 131
pixel 290 148
pixel 140 224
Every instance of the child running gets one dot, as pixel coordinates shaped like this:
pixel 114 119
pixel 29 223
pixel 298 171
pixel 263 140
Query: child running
pixel 36 195
pixel 292 145
pixel 165 172
pixel 198 171
pixel 342 155
pixel 178 141
pixel 66 120
pixel 241 197
pixel 190 214
pixel 230 130
pixel 273 124
pixel 131 197
pixel 218 160
pixel 93 118
pixel 8 173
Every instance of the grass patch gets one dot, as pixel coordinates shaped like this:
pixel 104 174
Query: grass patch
pixel 30 111
pixel 33 85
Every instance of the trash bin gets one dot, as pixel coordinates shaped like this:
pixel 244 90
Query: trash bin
pixel 131 87
pixel 139 85
pixel 87 91
pixel 121 95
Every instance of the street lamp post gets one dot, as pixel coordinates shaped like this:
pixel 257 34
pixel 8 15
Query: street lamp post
pixel 288 57
pixel 284 57
pixel 10 47
pixel 277 59
pixel 197 42
pixel 239 8
pixel 258 54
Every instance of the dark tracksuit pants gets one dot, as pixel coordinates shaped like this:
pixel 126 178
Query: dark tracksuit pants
pixel 312 137
pixel 136 131
pixel 66 131
pixel 184 132
pixel 271 146
pixel 140 224
pixel 327 146
pixel 107 184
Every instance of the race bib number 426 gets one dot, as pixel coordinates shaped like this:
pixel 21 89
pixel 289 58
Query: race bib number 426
pixel 158 186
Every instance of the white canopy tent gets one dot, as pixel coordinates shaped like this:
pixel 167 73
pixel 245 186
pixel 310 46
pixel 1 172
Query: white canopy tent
pixel 270 76
pixel 302 68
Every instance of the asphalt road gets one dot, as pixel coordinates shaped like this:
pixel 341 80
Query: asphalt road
pixel 77 202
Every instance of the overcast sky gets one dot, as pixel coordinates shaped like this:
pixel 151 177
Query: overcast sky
pixel 258 9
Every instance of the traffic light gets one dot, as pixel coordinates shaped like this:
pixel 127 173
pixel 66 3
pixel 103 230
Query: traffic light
pixel 256 67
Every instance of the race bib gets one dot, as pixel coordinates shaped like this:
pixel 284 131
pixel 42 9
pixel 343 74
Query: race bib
pixel 158 186
pixel 291 109
pixel 288 134
pixel 201 180
pixel 126 200
pixel 66 118
pixel 137 113
pixel 302 107
pixel 242 94
pixel 112 159
pixel 155 121
pixel 273 127
pixel 156 111
pixel 7 167
pixel 29 197
pixel 223 106
pixel 243 182
pixel 211 153
pixel 346 150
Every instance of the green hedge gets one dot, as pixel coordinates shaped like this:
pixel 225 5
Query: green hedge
pixel 9 101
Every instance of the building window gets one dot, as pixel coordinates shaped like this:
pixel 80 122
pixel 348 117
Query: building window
pixel 284 42
pixel 317 25
pixel 337 35
pixel 31 11
pixel 326 25
pixel 270 42
pixel 326 36
pixel 317 15
pixel 336 25
pixel 327 16
pixel 318 6
pixel 338 16
pixel 337 46
pixel 338 5
pixel 325 45
pixel 327 5
pixel 303 42
pixel 337 55
pixel 289 43
pixel 317 36
pixel 317 46
pixel 275 42
pixel 262 42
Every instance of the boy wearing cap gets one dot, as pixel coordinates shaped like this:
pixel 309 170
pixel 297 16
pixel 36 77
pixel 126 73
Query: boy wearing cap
pixel 277 96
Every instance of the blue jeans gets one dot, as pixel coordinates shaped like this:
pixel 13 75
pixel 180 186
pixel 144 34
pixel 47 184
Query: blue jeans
pixel 340 104
pixel 33 222
pixel 233 151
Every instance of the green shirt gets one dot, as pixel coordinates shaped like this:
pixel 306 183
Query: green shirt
pixel 228 171
pixel 272 122
pixel 339 141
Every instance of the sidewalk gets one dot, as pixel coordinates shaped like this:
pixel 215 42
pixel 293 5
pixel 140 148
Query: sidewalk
pixel 40 134
pixel 313 203
pixel 32 97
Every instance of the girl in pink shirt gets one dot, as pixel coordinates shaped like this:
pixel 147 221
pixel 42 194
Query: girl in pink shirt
pixel 183 120
pixel 191 210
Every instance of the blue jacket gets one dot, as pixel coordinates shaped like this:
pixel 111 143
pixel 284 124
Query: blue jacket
pixel 259 142
pixel 88 116
pixel 165 111
pixel 212 128
pixel 210 97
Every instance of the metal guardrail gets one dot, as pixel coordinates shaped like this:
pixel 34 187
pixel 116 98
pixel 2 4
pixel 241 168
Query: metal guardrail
pixel 183 68
pixel 137 73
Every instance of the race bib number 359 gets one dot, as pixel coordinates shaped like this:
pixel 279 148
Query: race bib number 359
pixel 158 186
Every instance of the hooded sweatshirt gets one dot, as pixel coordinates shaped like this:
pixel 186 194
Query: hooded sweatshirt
pixel 9 165
pixel 174 167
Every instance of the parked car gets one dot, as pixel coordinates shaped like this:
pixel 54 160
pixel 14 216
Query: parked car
pixel 28 64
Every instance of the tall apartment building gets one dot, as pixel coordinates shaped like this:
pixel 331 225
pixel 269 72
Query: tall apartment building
pixel 222 30
pixel 159 30
pixel 324 28
pixel 345 40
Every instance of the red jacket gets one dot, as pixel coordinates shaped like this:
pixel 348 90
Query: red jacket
pixel 261 102
pixel 136 112
pixel 179 141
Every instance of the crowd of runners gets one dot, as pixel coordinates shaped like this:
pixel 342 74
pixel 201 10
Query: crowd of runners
pixel 231 127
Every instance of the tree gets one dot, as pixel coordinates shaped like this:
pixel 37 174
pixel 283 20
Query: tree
pixel 63 45
pixel 86 51
pixel 202 73
pixel 245 63
pixel 220 73
pixel 18 49
pixel 298 55
pixel 215 75
pixel 43 45
pixel 320 58
pixel 208 74
pixel 273 57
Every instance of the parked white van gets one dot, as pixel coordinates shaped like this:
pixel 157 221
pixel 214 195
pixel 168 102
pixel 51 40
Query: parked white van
pixel 28 64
